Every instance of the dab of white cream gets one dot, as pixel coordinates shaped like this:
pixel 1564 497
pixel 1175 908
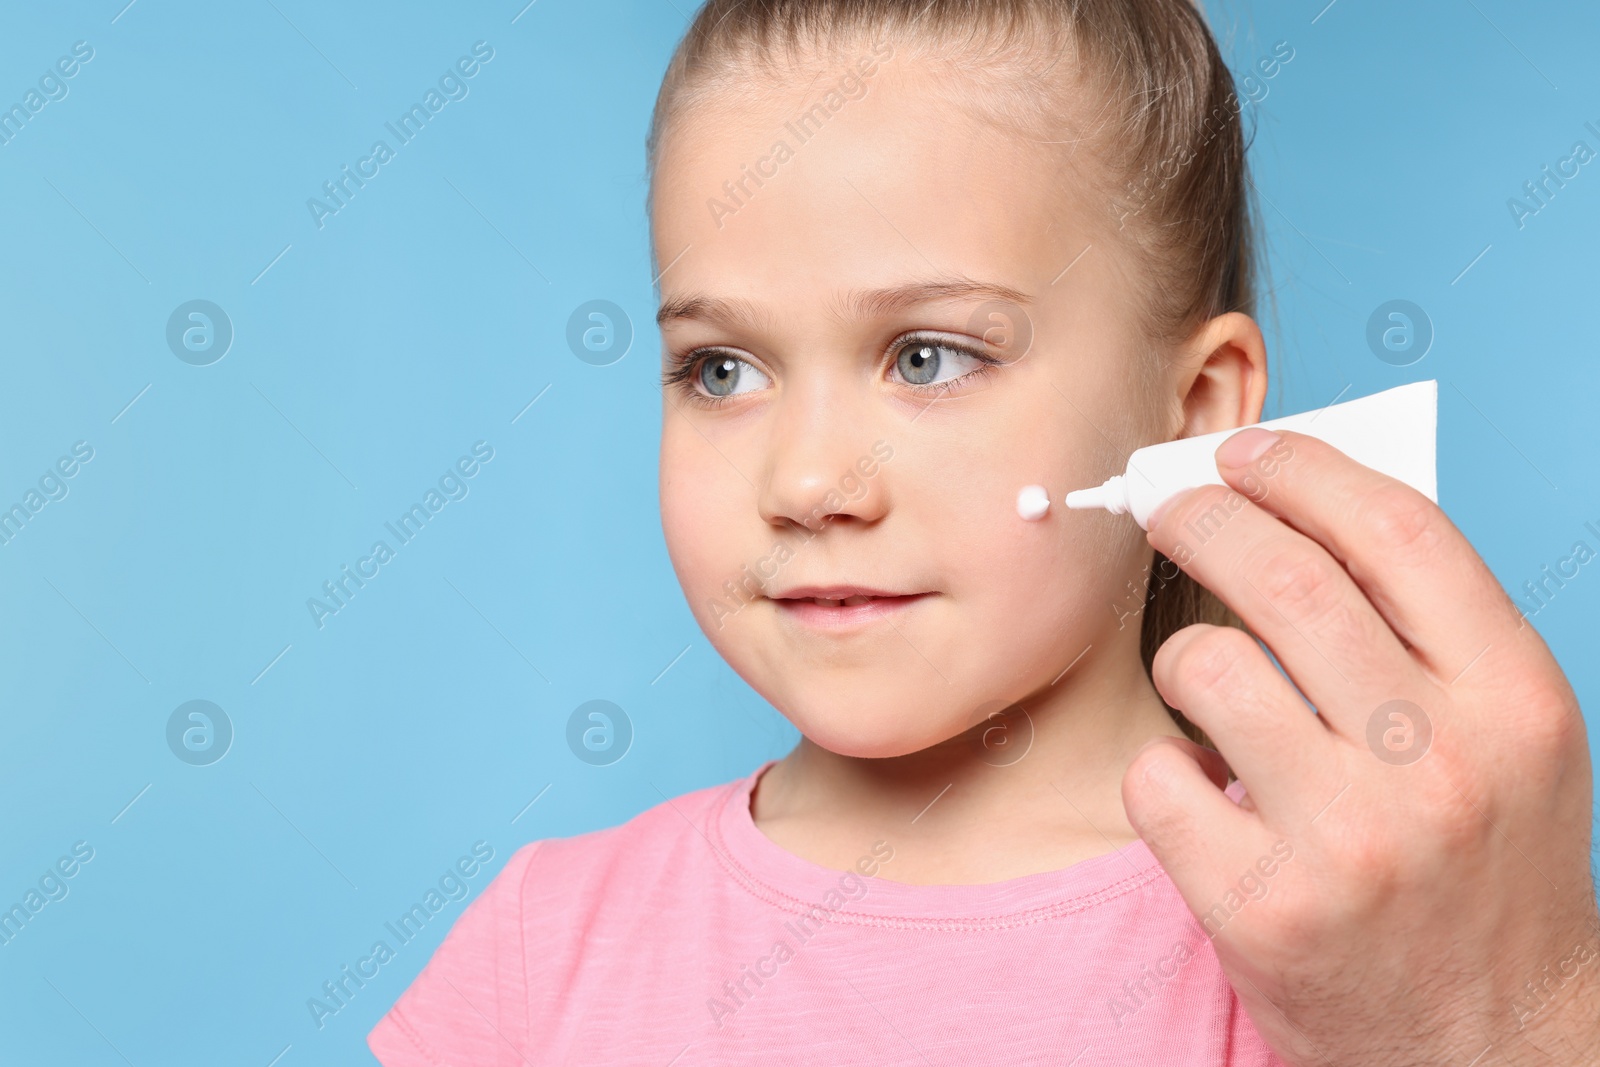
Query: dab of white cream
pixel 1032 502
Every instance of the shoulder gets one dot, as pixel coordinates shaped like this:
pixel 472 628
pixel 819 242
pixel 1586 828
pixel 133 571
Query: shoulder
pixel 630 851
pixel 532 925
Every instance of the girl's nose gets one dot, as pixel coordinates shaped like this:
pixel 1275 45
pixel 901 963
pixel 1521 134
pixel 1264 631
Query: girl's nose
pixel 823 461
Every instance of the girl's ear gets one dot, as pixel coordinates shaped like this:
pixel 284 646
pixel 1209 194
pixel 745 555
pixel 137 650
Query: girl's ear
pixel 1225 379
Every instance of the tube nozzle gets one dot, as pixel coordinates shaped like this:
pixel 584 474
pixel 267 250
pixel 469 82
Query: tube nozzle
pixel 1111 496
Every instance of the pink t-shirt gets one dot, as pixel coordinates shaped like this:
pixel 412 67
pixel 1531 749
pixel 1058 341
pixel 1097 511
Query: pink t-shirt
pixel 685 937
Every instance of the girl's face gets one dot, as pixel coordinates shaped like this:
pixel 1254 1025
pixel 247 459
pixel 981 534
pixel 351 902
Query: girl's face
pixel 891 317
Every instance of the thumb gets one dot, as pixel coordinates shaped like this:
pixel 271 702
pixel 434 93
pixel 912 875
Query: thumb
pixel 1173 795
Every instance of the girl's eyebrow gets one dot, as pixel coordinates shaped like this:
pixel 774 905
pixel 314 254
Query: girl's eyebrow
pixel 864 303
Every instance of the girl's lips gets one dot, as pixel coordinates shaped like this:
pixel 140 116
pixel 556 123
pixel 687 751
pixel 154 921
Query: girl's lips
pixel 833 615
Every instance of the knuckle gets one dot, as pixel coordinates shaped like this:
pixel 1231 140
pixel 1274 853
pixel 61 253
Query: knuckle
pixel 1550 728
pixel 1402 519
pixel 1449 814
pixel 1454 823
pixel 1370 861
pixel 1297 582
pixel 1218 659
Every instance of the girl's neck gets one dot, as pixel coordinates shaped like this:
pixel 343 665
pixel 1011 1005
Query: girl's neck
pixel 963 812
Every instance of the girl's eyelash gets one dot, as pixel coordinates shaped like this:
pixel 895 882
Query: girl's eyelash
pixel 986 362
pixel 679 374
pixel 680 368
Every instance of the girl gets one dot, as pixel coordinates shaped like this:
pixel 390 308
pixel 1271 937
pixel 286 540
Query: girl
pixel 913 255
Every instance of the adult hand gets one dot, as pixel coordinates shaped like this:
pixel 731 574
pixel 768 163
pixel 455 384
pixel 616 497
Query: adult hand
pixel 1408 879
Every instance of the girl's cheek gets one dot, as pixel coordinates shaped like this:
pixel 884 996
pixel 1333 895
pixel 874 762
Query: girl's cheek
pixel 718 562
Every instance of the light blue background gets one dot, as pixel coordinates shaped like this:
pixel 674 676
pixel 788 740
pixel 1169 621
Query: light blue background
pixel 424 317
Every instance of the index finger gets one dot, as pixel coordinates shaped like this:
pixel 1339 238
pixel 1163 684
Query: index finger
pixel 1399 547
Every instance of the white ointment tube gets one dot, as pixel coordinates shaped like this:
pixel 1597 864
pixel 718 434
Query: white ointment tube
pixel 1392 432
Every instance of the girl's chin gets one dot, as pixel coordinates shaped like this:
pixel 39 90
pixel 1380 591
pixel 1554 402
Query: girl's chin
pixel 858 739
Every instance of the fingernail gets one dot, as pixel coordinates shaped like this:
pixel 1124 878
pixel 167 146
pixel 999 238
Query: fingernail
pixel 1245 447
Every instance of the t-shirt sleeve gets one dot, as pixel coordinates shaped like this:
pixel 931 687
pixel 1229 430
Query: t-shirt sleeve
pixel 470 1003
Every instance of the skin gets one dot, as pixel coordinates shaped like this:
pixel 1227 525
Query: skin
pixel 1036 614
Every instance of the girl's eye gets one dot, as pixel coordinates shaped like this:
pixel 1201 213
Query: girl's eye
pixel 710 377
pixel 921 362
pixel 723 376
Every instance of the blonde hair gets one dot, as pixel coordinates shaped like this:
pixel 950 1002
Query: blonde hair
pixel 1169 133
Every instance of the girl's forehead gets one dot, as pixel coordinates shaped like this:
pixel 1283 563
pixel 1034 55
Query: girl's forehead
pixel 894 166
pixel 815 112
pixel 772 211
pixel 850 266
